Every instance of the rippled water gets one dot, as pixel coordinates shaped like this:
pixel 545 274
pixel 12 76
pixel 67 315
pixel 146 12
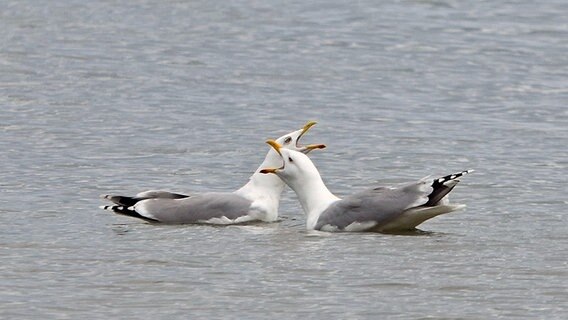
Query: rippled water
pixel 100 97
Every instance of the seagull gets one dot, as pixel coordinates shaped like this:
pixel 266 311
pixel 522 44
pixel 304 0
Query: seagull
pixel 257 200
pixel 379 209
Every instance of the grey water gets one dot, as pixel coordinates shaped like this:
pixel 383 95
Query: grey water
pixel 119 97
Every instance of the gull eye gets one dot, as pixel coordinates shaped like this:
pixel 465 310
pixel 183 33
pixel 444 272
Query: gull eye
pixel 290 159
pixel 287 140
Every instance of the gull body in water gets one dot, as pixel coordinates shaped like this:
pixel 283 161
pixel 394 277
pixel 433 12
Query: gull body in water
pixel 257 200
pixel 379 209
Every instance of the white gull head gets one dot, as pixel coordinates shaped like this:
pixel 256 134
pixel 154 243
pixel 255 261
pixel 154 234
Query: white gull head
pixel 291 141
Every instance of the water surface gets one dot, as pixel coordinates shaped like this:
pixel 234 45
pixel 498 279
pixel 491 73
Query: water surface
pixel 108 97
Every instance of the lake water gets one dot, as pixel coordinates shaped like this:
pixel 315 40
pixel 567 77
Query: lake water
pixel 110 97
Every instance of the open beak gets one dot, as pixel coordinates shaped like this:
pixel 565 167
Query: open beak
pixel 305 129
pixel 276 146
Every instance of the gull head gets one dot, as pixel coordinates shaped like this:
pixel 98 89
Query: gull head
pixel 295 165
pixel 292 140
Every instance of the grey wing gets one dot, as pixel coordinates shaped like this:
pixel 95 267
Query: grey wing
pixel 376 206
pixel 198 208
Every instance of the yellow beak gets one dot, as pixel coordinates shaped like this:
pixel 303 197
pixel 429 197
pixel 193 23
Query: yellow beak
pixel 268 170
pixel 307 126
pixel 276 146
pixel 311 147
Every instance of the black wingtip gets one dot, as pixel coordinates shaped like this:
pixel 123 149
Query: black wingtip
pixel 452 176
pixel 121 200
pixel 444 185
pixel 127 211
